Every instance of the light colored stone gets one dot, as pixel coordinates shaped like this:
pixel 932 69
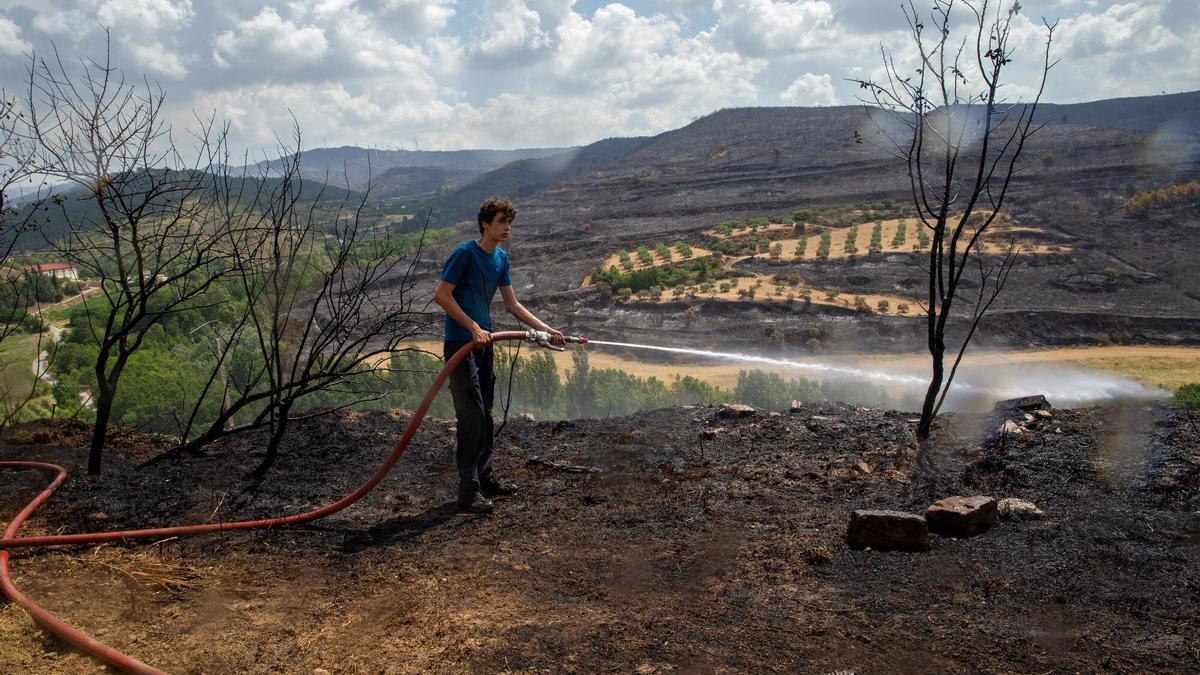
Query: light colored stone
pixel 1011 508
pixel 735 410
pixel 887 531
pixel 1010 427
pixel 1044 414
pixel 961 516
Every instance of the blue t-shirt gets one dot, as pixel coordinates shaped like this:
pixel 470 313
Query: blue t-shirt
pixel 476 275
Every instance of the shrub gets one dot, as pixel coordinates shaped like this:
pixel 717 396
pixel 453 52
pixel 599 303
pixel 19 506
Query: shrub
pixel 643 255
pixel 882 306
pixel 663 252
pixel 902 308
pixel 625 261
pixel 860 304
pixel 1142 203
pixel 1188 395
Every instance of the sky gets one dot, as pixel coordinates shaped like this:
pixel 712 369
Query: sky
pixel 451 74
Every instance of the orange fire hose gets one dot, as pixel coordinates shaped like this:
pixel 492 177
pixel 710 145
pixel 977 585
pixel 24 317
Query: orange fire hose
pixel 127 663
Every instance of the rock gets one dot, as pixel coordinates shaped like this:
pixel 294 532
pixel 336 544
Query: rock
pixel 864 467
pixel 1043 414
pixel 1024 404
pixel 735 410
pixel 961 516
pixel 796 406
pixel 527 417
pixel 1010 427
pixel 1011 508
pixel 887 531
pixel 713 433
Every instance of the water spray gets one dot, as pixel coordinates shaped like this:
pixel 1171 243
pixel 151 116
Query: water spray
pixel 804 365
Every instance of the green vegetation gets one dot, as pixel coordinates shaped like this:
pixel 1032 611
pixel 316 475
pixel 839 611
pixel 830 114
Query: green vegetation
pixel 626 262
pixel 851 246
pixel 684 249
pixel 801 245
pixel 876 246
pixel 823 245
pixel 663 251
pixel 901 234
pixel 676 274
pixel 1189 395
pixel 643 255
pixel 922 240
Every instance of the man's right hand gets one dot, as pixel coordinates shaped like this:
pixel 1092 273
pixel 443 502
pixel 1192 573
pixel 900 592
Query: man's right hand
pixel 480 336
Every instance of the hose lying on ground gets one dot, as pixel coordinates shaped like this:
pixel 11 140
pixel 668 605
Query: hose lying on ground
pixel 127 663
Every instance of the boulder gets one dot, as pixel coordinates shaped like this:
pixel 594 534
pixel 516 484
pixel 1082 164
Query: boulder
pixel 961 516
pixel 1010 427
pixel 1024 404
pixel 1011 508
pixel 887 531
pixel 735 410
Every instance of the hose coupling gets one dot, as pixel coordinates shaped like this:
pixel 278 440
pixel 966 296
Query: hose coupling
pixel 543 339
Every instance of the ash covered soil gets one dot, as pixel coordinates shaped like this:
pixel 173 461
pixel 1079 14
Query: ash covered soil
pixel 708 540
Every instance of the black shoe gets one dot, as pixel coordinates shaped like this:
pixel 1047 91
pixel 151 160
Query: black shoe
pixel 474 502
pixel 492 489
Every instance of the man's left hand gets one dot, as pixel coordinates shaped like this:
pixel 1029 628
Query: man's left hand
pixel 556 337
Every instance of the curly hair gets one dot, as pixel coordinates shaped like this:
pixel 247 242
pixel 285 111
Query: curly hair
pixel 493 205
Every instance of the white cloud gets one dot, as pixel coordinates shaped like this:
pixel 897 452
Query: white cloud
pixel 1122 28
pixel 11 43
pixel 766 27
pixel 615 42
pixel 512 34
pixel 268 35
pixel 61 21
pixel 810 89
pixel 147 15
pixel 157 59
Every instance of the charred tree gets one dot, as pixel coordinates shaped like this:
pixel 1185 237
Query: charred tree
pixel 145 228
pixel 328 300
pixel 19 289
pixel 960 146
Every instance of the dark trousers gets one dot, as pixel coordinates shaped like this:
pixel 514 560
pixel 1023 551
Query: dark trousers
pixel 473 385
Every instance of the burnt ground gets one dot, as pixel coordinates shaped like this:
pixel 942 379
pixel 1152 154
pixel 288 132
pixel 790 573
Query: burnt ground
pixel 707 542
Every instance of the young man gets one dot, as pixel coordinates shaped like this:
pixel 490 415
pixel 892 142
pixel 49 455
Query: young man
pixel 469 281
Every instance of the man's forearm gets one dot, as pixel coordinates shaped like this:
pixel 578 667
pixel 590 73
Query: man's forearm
pixel 526 317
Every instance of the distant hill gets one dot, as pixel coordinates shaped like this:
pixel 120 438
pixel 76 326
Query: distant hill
pixel 526 177
pixel 336 165
pixel 1179 113
pixel 55 219
pixel 405 181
